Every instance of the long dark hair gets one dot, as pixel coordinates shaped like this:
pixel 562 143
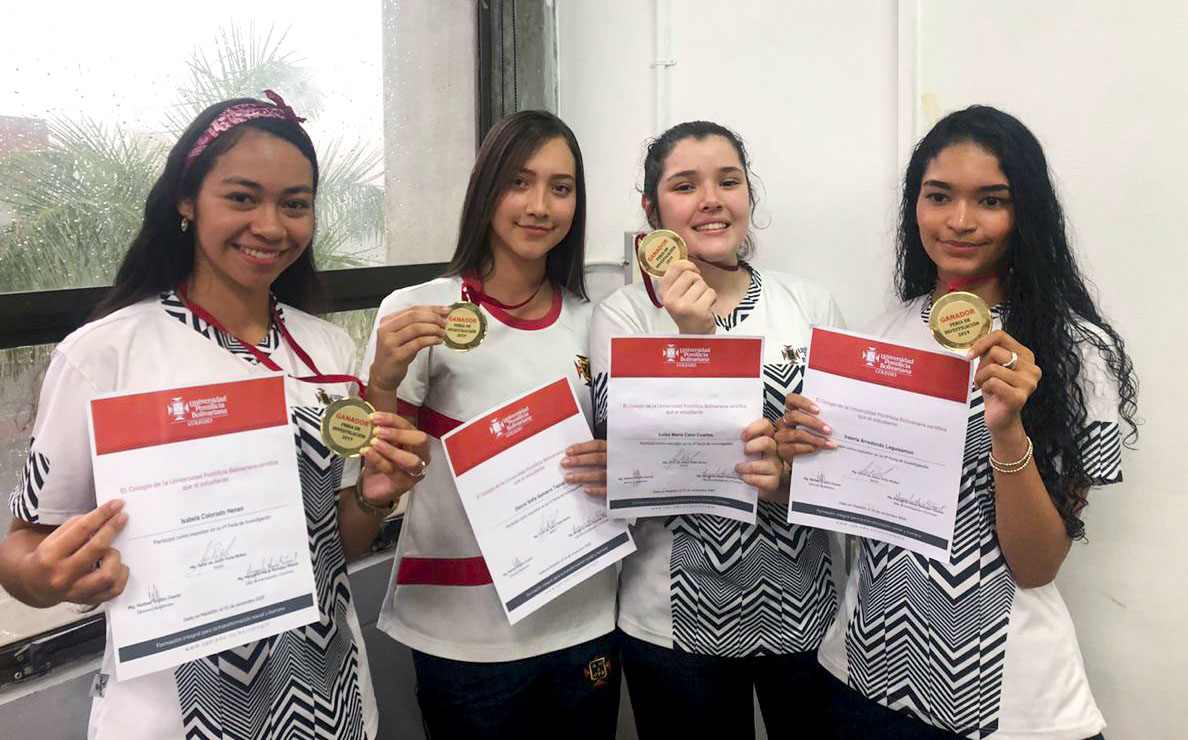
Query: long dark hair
pixel 506 147
pixel 657 153
pixel 1047 303
pixel 162 255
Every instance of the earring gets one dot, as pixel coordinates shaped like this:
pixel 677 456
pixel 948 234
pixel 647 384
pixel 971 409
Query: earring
pixel 185 223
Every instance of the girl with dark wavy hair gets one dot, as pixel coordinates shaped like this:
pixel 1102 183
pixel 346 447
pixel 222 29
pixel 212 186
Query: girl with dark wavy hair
pixel 212 290
pixel 981 645
pixel 519 255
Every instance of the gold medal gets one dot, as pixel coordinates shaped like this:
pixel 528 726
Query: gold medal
pixel 465 326
pixel 959 319
pixel 346 426
pixel 658 250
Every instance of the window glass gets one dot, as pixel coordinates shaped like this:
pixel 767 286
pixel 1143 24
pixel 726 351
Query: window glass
pixel 86 121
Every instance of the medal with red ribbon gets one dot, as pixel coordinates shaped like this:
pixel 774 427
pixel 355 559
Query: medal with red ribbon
pixel 960 318
pixel 346 423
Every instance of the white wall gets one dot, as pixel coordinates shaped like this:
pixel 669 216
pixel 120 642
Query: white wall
pixel 809 86
pixel 830 96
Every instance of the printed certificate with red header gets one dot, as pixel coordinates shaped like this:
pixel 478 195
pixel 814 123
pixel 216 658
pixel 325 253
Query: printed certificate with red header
pixel 539 535
pixel 676 410
pixel 216 542
pixel 899 416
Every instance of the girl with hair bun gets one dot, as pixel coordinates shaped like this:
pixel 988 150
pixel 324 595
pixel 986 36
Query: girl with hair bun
pixel 713 611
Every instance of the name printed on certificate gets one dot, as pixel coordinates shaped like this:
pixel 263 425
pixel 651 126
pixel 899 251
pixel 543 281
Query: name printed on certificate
pixel 216 542
pixel 899 416
pixel 539 535
pixel 676 410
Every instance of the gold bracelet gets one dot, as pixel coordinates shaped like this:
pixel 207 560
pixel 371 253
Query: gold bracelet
pixel 369 508
pixel 1011 468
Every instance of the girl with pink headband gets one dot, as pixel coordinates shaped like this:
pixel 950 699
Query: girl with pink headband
pixel 213 288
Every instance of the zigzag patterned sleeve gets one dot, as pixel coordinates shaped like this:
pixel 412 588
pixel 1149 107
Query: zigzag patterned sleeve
pixel 56 482
pixel 1100 441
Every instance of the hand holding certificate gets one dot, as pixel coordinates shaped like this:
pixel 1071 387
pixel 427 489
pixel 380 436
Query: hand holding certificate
pixel 216 542
pixel 898 417
pixel 540 536
pixel 676 412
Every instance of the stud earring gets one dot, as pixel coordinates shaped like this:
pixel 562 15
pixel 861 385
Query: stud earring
pixel 185 223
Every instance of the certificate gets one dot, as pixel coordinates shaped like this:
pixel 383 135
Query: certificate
pixel 539 535
pixel 899 416
pixel 677 407
pixel 216 542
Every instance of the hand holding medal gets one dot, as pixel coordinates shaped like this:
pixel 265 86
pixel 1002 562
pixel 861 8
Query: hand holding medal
pixel 683 291
pixel 1007 375
pixel 395 460
pixel 398 338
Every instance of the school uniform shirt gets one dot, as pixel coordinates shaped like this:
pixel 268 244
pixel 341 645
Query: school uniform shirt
pixel 956 643
pixel 311 682
pixel 440 599
pixel 705 584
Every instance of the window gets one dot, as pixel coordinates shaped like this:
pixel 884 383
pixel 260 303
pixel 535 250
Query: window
pixel 87 118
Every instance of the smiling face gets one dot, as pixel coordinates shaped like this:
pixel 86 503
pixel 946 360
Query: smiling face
pixel 965 213
pixel 536 210
pixel 702 195
pixel 253 214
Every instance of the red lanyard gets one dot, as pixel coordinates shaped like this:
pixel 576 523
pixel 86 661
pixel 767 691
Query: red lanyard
pixel 473 293
pixel 966 282
pixel 265 360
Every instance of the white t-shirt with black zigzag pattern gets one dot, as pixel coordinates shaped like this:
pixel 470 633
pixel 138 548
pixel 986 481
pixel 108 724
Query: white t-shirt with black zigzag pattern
pixel 714 586
pixel 958 644
pixel 311 682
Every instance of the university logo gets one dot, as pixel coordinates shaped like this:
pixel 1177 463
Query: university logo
pixel 177 408
pixel 196 411
pixel 582 363
pixel 670 353
pixel 598 670
pixel 870 357
pixel 497 427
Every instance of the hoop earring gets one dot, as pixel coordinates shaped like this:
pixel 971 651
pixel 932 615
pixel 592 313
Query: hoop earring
pixel 185 223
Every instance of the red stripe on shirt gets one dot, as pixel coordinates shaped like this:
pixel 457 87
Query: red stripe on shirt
pixel 434 423
pixel 443 572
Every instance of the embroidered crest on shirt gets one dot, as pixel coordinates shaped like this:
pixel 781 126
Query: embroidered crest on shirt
pixel 582 364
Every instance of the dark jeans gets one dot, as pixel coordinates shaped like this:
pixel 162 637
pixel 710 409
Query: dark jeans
pixel 855 716
pixel 571 693
pixel 675 694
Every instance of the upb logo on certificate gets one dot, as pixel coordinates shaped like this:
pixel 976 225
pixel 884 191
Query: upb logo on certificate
pixel 899 416
pixel 676 409
pixel 216 542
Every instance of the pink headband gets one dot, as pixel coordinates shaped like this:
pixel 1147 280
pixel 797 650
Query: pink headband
pixel 237 114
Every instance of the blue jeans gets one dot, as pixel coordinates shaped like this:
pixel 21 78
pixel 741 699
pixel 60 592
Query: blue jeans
pixel 675 694
pixel 571 693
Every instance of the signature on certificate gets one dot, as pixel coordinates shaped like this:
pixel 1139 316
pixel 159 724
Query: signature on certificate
pixel 214 555
pixel 822 481
pixel 269 565
pixel 917 503
pixel 718 474
pixel 685 456
pixel 548 524
pixel 876 473
pixel 590 520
